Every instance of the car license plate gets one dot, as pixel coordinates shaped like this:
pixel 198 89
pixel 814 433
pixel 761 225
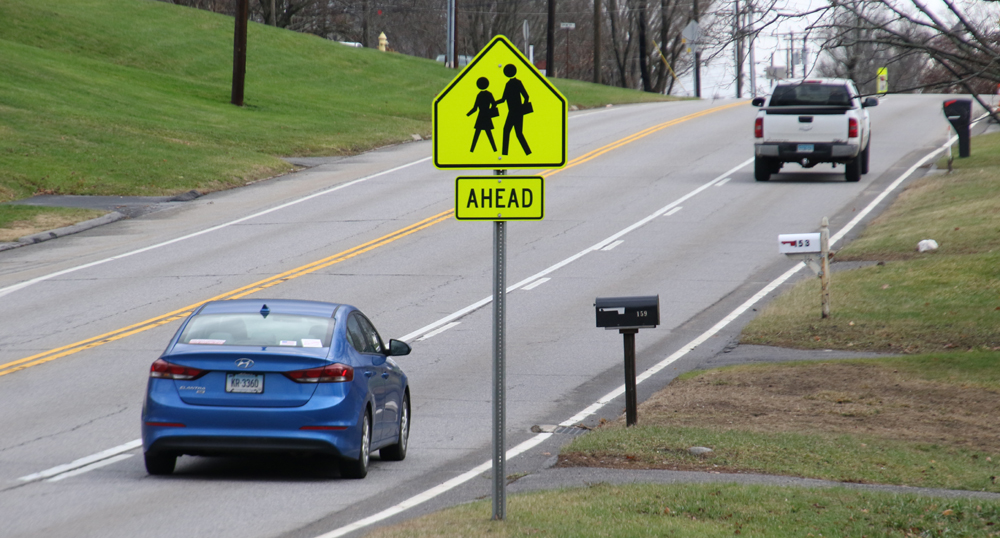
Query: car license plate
pixel 806 148
pixel 246 383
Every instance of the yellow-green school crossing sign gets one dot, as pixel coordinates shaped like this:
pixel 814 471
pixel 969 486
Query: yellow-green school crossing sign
pixel 499 113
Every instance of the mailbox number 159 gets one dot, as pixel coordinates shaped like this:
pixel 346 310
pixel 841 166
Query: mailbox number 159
pixel 641 313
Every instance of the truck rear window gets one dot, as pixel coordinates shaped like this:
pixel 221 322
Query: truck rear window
pixel 811 95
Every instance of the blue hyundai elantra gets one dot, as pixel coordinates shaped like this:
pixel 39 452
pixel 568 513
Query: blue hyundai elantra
pixel 250 376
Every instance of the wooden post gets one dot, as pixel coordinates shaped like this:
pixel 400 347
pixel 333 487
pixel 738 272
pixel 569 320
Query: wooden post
pixel 631 413
pixel 240 51
pixel 824 274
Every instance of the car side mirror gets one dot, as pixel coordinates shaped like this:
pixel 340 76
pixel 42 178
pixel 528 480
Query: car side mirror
pixel 869 102
pixel 758 101
pixel 398 348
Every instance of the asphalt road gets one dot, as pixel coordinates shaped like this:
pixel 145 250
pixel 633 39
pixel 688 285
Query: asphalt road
pixel 83 316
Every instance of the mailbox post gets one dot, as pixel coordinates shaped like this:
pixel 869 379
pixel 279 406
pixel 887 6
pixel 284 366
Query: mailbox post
pixel 814 251
pixel 628 315
pixel 959 113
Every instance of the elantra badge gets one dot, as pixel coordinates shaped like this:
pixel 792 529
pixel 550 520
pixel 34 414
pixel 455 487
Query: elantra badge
pixel 244 363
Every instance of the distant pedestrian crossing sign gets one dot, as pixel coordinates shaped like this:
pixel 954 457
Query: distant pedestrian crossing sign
pixel 499 113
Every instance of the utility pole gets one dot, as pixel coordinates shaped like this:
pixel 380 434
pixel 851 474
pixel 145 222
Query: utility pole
pixel 697 53
pixel 738 47
pixel 550 42
pixel 791 54
pixel 451 59
pixel 597 41
pixel 753 64
pixel 240 51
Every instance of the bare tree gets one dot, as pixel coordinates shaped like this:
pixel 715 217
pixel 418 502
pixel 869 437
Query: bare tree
pixel 853 52
pixel 963 40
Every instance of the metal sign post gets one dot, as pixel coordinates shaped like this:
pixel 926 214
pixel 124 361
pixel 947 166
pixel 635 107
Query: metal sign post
pixel 499 366
pixel 500 83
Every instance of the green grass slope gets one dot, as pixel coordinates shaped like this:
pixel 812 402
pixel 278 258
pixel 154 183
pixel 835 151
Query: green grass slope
pixel 131 97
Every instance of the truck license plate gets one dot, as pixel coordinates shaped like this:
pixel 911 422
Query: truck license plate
pixel 246 383
pixel 806 148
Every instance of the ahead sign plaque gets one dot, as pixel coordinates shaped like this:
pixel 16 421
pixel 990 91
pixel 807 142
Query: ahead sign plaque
pixel 500 198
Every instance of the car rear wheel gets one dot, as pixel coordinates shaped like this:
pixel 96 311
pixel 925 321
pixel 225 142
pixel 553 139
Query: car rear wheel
pixel 852 170
pixel 397 452
pixel 159 463
pixel 359 468
pixel 762 168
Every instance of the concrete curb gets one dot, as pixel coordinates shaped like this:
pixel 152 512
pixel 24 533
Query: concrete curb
pixel 64 231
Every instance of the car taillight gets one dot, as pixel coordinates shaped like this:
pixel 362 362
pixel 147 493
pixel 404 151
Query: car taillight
pixel 162 369
pixel 852 128
pixel 331 373
pixel 758 128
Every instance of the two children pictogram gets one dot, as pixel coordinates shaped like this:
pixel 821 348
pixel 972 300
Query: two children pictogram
pixel 516 110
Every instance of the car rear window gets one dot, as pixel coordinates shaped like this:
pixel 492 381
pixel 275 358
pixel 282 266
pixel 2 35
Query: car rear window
pixel 811 95
pixel 283 330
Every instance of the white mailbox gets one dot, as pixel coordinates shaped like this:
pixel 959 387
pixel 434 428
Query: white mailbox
pixel 799 243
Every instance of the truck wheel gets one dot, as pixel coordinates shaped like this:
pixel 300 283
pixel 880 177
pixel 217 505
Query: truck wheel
pixel 761 168
pixel 864 158
pixel 852 170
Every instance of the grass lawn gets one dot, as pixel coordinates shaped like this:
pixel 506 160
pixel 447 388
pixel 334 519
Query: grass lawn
pixel 131 97
pixel 910 302
pixel 17 221
pixel 709 511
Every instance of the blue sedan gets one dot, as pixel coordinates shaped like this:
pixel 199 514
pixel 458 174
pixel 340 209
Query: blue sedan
pixel 250 376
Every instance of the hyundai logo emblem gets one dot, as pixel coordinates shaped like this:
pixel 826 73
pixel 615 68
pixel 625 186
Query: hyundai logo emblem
pixel 244 363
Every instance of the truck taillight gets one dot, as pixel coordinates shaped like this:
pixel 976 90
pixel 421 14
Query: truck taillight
pixel 852 128
pixel 758 128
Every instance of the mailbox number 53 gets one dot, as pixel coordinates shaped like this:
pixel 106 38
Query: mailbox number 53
pixel 803 243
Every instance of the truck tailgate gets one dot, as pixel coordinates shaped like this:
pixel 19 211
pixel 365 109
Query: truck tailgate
pixel 805 127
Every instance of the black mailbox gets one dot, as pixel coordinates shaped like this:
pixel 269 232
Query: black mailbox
pixel 959 113
pixel 628 312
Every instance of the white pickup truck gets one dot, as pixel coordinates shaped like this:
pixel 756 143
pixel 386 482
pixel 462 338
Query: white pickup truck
pixel 810 122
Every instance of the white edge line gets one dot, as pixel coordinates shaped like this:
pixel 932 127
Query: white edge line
pixel 678 208
pixel 26 283
pixel 613 245
pixel 648 373
pixel 723 182
pixel 91 467
pixel 421 498
pixel 111 452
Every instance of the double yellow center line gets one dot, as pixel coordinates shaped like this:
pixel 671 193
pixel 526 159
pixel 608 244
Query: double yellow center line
pixel 51 355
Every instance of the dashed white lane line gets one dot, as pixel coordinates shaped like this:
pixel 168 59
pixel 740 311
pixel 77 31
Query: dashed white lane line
pixel 82 462
pixel 536 283
pixel 438 331
pixel 600 245
pixel 91 467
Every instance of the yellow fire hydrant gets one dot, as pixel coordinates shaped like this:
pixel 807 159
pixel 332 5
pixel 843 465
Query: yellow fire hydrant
pixel 383 42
